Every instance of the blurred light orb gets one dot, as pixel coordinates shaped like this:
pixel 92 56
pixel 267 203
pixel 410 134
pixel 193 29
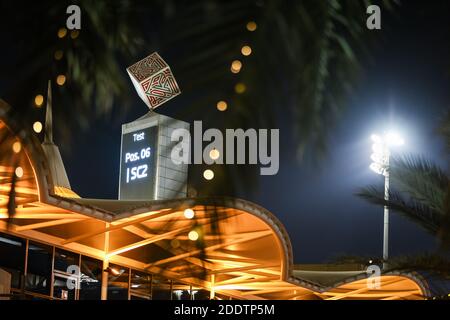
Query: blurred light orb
pixel 251 26
pixel 37 127
pixel 214 154
pixel 16 147
pixel 39 100
pixel 208 174
pixel 222 106
pixel 61 79
pixel 240 88
pixel 189 213
pixel 175 243
pixel 58 54
pixel 193 235
pixel 62 33
pixel 74 34
pixel 19 172
pixel 236 66
pixel 246 51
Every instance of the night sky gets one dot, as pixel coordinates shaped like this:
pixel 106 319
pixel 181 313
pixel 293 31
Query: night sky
pixel 405 87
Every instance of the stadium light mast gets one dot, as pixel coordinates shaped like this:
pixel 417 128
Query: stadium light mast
pixel 380 165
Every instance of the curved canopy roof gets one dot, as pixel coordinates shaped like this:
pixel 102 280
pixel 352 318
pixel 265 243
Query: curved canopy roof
pixel 242 251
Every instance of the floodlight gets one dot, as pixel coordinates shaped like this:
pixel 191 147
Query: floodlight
pixel 376 167
pixel 377 148
pixel 393 138
pixel 380 165
pixel 375 138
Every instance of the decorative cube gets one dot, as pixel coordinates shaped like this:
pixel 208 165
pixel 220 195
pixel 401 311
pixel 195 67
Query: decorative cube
pixel 153 80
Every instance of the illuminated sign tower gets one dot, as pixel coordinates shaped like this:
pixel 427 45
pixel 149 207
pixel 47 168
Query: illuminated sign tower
pixel 146 168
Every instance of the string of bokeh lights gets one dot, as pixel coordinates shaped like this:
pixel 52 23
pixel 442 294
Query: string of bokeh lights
pixel 38 101
pixel 239 88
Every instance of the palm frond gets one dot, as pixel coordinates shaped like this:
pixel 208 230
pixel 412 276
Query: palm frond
pixel 422 180
pixel 429 219
pixel 425 261
pixel 444 130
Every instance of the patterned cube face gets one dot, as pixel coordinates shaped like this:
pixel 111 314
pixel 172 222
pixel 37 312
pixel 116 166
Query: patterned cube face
pixel 153 80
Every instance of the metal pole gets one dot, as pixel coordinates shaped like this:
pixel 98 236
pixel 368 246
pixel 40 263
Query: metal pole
pixel 386 215
pixel 105 273
pixel 212 292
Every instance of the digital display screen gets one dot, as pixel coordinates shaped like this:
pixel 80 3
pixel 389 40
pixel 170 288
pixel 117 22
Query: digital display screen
pixel 138 164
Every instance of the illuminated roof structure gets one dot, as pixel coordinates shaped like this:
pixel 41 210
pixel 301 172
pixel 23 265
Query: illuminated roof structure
pixel 243 251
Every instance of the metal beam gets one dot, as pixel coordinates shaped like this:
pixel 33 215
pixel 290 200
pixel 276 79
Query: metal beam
pixel 246 278
pixel 338 296
pixel 43 216
pixel 46 224
pixel 246 268
pixel 210 248
pixel 156 215
pixel 144 242
pixel 225 258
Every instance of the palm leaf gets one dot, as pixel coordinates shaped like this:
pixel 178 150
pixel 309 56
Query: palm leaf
pixel 425 261
pixel 422 180
pixel 444 130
